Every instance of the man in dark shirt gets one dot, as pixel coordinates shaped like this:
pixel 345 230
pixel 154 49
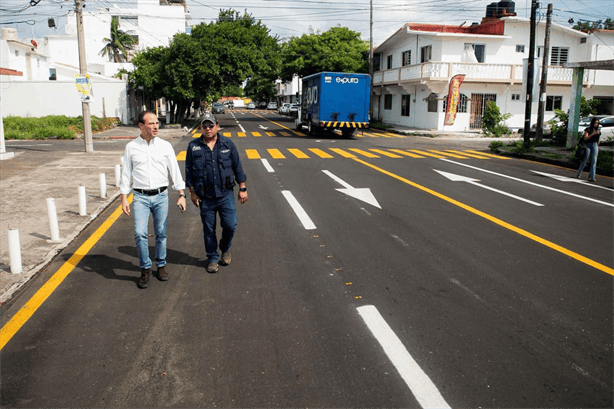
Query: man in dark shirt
pixel 211 167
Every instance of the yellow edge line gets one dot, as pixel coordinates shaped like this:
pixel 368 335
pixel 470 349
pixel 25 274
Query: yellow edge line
pixel 500 222
pixel 23 315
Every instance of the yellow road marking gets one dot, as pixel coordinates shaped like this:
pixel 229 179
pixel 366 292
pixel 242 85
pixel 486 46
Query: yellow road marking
pixel 371 135
pixel 276 154
pixel 241 134
pixel 448 154
pixel 284 134
pixel 298 153
pixel 321 153
pixel 23 315
pixel 252 154
pixel 490 155
pixel 411 155
pixel 342 153
pixel 256 134
pixel 383 152
pixel 227 134
pixel 196 135
pixel 495 220
pixel 298 133
pixel 270 133
pixel 364 153
pixel 181 155
pixel 471 155
pixel 432 155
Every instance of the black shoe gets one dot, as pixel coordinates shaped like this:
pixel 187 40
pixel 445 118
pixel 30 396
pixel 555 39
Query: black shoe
pixel 162 273
pixel 143 282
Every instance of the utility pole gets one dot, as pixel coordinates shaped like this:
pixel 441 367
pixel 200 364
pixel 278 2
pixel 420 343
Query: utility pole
pixel 542 86
pixel 371 60
pixel 85 106
pixel 530 68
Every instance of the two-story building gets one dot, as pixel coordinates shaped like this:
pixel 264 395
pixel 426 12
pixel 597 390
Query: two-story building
pixel 413 68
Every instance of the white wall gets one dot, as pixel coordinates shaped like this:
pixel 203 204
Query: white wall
pixel 41 98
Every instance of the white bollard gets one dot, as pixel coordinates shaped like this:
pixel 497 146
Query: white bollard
pixel 15 251
pixel 82 201
pixel 118 175
pixel 53 220
pixel 103 186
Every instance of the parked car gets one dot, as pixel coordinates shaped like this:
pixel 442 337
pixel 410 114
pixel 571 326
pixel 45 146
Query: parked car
pixel 272 105
pixel 229 104
pixel 251 105
pixel 584 122
pixel 262 105
pixel 606 125
pixel 293 110
pixel 283 109
pixel 218 108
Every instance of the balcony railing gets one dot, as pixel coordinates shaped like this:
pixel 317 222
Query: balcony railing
pixel 443 71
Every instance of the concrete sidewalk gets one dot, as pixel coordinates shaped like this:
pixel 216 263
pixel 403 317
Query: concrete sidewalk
pixel 32 176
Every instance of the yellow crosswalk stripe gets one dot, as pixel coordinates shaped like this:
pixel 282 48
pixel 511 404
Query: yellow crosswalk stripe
pixel 321 153
pixel 196 135
pixel 270 133
pixel 411 155
pixel 490 155
pixel 252 154
pixel 432 155
pixel 181 155
pixel 370 135
pixel 364 153
pixel 342 153
pixel 471 155
pixel 284 134
pixel 241 134
pixel 298 153
pixel 383 152
pixel 276 154
pixel 227 134
pixel 298 133
pixel 448 154
pixel 256 134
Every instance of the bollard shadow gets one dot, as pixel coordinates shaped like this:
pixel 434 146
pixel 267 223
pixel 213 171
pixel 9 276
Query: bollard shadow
pixel 40 236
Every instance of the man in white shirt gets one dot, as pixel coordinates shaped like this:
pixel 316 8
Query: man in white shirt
pixel 147 163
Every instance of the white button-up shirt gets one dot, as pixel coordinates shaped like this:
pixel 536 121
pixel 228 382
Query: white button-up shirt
pixel 148 166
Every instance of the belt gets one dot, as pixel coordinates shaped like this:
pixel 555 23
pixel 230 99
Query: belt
pixel 151 192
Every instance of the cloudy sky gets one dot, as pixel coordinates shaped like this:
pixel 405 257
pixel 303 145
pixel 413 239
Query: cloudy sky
pixel 286 18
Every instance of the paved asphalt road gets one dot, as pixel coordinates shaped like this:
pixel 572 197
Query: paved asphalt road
pixel 450 294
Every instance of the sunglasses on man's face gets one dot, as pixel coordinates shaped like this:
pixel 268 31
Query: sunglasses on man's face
pixel 210 126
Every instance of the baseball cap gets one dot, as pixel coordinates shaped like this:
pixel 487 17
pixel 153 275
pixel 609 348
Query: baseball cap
pixel 208 117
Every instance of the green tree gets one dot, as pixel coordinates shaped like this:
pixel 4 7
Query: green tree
pixel 338 50
pixel 586 26
pixel 260 89
pixel 119 44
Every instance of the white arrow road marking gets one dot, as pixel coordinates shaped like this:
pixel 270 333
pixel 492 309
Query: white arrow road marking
pixel 298 209
pixel 568 179
pixel 263 127
pixel 530 183
pixel 419 383
pixel 459 178
pixel 363 194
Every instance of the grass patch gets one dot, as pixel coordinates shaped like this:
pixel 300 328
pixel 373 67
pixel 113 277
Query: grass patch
pixel 52 126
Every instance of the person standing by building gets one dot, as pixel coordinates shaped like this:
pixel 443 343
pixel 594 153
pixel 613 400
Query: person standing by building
pixel 147 163
pixel 590 137
pixel 212 166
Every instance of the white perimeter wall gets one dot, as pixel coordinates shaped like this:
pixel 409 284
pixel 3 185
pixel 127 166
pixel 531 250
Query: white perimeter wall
pixel 41 98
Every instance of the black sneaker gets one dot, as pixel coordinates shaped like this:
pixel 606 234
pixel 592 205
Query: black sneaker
pixel 143 282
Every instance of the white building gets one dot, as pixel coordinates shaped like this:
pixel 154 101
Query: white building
pixel 414 66
pixel 22 56
pixel 288 91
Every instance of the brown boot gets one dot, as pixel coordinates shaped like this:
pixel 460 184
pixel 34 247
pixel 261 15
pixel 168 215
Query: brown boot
pixel 162 274
pixel 143 282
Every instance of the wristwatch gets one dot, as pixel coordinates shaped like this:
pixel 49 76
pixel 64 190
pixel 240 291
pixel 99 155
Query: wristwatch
pixel 242 189
pixel 182 195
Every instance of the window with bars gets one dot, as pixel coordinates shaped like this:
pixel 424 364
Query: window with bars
pixel 405 101
pixel 406 58
pixel 559 55
pixel 388 101
pixel 554 102
pixel 515 97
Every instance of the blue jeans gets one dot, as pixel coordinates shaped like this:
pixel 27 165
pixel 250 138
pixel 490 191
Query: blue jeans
pixel 227 209
pixel 142 206
pixel 592 150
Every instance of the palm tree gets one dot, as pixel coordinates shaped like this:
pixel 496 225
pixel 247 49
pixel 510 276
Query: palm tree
pixel 119 44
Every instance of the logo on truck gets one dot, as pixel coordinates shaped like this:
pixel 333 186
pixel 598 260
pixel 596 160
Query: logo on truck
pixel 312 95
pixel 346 80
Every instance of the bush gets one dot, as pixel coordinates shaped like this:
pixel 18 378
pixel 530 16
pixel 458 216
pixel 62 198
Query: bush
pixel 52 126
pixel 495 146
pixel 492 120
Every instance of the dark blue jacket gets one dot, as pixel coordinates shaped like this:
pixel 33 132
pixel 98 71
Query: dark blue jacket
pixel 228 166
